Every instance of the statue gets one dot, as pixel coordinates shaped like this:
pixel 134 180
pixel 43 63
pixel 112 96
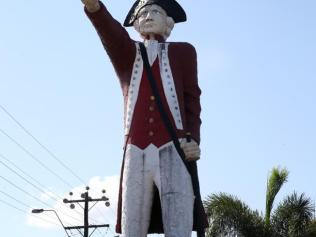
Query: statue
pixel 159 190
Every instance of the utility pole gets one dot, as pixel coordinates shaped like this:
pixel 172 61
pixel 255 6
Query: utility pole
pixel 86 200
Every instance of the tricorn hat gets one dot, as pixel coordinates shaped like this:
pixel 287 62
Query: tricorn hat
pixel 172 8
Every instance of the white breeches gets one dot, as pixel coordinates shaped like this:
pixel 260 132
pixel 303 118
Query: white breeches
pixel 164 168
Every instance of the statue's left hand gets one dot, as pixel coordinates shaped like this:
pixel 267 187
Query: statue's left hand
pixel 191 150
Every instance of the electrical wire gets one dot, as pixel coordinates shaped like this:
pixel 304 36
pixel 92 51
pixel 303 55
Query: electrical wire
pixel 32 184
pixel 39 200
pixel 106 218
pixel 19 209
pixel 23 172
pixel 18 201
pixel 41 145
pixel 26 180
pixel 34 158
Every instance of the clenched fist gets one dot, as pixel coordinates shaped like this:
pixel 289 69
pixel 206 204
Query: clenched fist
pixel 91 5
pixel 191 150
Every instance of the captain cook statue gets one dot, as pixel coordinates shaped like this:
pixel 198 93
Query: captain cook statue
pixel 159 187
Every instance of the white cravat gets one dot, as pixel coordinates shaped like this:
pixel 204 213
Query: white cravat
pixel 152 50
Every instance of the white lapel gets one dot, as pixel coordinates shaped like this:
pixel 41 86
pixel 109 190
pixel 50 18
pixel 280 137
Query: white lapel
pixel 168 85
pixel 133 88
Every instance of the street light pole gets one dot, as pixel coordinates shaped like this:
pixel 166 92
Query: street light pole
pixel 38 211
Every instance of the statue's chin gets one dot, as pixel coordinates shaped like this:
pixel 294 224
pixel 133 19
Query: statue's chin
pixel 150 30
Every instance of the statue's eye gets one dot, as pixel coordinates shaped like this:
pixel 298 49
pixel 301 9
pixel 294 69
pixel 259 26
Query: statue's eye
pixel 143 13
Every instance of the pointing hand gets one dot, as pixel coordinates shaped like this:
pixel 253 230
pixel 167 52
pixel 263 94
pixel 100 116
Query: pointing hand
pixel 91 5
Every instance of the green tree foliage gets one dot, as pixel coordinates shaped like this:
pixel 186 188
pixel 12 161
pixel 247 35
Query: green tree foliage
pixel 311 230
pixel 293 217
pixel 275 182
pixel 228 214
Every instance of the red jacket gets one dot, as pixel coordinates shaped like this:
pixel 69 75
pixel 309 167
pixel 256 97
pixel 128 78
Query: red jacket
pixel 183 62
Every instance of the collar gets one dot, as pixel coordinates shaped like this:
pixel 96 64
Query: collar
pixel 159 38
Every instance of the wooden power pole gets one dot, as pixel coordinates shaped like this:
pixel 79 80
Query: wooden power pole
pixel 86 200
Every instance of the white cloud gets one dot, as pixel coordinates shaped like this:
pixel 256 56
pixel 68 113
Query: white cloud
pixel 99 214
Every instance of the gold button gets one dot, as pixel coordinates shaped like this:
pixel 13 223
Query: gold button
pixel 151 133
pixel 151 108
pixel 152 97
pixel 151 120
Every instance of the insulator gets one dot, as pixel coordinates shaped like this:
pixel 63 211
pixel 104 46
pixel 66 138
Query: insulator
pixel 87 188
pixel 71 193
pixel 72 206
pixel 83 195
pixel 65 200
pixel 107 204
pixel 103 191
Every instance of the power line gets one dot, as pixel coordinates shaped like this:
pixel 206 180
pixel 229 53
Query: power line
pixel 22 171
pixel 34 158
pixel 22 190
pixel 10 205
pixel 16 200
pixel 106 218
pixel 41 145
pixel 20 210
pixel 35 186
pixel 39 200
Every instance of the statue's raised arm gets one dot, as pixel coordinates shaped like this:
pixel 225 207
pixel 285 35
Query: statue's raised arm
pixel 115 39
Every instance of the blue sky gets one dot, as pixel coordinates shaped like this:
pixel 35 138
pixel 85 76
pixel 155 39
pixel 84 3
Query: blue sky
pixel 257 74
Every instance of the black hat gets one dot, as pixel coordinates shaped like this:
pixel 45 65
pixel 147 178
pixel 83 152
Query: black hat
pixel 172 8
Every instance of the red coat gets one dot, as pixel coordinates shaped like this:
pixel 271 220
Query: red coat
pixel 183 62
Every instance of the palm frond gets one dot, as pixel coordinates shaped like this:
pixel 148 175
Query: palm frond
pixel 293 216
pixel 228 214
pixel 276 180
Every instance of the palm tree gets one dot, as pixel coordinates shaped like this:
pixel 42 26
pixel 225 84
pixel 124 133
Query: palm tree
pixel 292 218
pixel 228 214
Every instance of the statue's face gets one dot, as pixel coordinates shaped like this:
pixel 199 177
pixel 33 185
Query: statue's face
pixel 152 20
